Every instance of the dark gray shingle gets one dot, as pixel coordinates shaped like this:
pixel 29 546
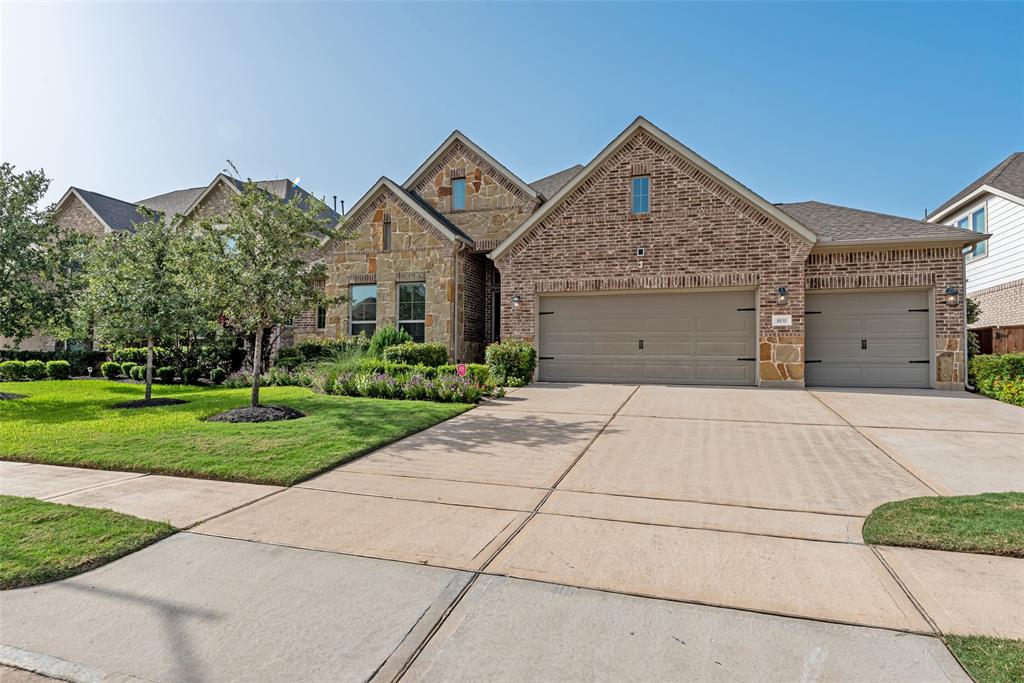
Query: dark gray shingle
pixel 834 223
pixel 1007 176
pixel 551 184
pixel 116 213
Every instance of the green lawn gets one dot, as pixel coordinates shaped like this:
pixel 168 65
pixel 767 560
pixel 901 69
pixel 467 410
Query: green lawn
pixel 989 660
pixel 990 523
pixel 42 541
pixel 71 423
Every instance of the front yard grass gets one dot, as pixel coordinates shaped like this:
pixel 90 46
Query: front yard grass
pixel 989 660
pixel 72 423
pixel 989 523
pixel 41 541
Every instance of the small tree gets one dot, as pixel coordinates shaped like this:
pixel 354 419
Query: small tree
pixel 136 287
pixel 973 313
pixel 40 265
pixel 259 269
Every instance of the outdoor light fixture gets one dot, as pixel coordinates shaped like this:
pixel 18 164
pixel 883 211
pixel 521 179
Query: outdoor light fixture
pixel 952 296
pixel 783 296
pixel 516 300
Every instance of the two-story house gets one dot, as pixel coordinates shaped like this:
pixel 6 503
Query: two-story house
pixel 994 204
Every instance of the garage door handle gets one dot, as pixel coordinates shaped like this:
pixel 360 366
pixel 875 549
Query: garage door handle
pixel 641 344
pixel 751 358
pixel 919 361
pixel 811 361
pixel 863 344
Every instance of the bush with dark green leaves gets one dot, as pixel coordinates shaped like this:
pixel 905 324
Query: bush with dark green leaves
pixel 137 354
pixel 512 362
pixel 111 370
pixel 138 373
pixel 190 375
pixel 35 369
pixel 166 374
pixel 58 369
pixel 411 353
pixel 126 368
pixel 12 370
pixel 385 337
pixel 1000 377
pixel 218 375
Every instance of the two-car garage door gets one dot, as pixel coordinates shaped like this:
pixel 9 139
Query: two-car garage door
pixel 669 338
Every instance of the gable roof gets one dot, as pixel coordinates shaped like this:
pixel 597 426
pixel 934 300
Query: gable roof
pixel 682 150
pixel 417 203
pixel 1006 177
pixel 172 203
pixel 841 225
pixel 116 215
pixel 549 185
pixel 283 189
pixel 458 137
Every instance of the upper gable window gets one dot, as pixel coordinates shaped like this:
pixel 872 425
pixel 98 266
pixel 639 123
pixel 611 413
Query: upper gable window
pixel 458 194
pixel 641 195
pixel 974 221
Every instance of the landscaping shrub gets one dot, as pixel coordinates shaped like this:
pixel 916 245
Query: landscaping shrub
pixel 58 369
pixel 138 373
pixel 217 376
pixel 238 380
pixel 411 353
pixel 80 360
pixel 162 357
pixel 35 369
pixel 126 368
pixel 111 370
pixel 12 370
pixel 314 349
pixel 385 337
pixel 512 362
pixel 480 373
pixel 190 375
pixel 1000 377
pixel 166 374
pixel 416 387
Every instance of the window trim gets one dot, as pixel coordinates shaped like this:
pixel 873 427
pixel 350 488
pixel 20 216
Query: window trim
pixel 967 217
pixel 398 309
pixel 352 302
pixel 633 195
pixel 463 182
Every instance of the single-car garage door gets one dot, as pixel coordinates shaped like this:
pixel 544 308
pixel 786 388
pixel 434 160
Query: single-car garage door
pixel 868 339
pixel 671 338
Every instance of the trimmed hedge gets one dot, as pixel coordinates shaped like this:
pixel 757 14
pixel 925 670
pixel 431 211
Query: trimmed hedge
pixel 80 361
pixel 13 370
pixel 138 373
pixel 58 369
pixel 111 370
pixel 1000 377
pixel 218 375
pixel 411 353
pixel 166 374
pixel 162 357
pixel 126 368
pixel 35 369
pixel 190 375
pixel 512 362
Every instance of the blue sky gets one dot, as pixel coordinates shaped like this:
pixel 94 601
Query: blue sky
pixel 889 107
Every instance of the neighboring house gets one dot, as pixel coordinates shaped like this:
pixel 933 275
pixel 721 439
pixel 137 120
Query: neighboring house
pixel 651 265
pixel 99 215
pixel 994 204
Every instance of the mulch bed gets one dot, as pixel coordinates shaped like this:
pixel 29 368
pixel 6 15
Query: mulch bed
pixel 258 414
pixel 10 397
pixel 151 403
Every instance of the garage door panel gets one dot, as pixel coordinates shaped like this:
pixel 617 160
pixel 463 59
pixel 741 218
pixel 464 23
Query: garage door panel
pixel 688 338
pixel 894 332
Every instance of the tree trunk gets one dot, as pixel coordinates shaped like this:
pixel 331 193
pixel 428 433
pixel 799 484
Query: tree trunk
pixel 149 368
pixel 257 364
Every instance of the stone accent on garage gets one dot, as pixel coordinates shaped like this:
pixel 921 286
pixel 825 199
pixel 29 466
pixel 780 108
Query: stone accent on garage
pixel 781 360
pixel 935 268
pixel 419 253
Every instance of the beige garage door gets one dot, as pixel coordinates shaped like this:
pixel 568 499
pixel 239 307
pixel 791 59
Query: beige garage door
pixel 868 339
pixel 671 338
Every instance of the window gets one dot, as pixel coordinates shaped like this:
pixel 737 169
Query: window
pixel 974 221
pixel 641 195
pixel 458 194
pixel 321 317
pixel 412 309
pixel 386 241
pixel 363 309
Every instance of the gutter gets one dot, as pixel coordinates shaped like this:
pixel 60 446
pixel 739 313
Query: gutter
pixel 459 246
pixel 972 238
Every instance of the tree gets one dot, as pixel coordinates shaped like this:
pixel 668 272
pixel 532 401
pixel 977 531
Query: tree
pixel 259 269
pixel 136 287
pixel 40 265
pixel 973 313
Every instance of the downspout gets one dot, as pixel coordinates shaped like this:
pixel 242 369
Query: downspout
pixel 967 333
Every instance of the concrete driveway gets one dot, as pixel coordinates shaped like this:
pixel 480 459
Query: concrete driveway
pixel 571 532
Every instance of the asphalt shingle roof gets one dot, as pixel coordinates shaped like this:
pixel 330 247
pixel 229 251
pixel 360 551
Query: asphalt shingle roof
pixel 1007 176
pixel 832 223
pixel 551 184
pixel 171 203
pixel 420 201
pixel 116 213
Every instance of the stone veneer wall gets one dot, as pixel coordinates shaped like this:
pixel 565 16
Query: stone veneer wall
pixel 419 253
pixel 495 206
pixel 933 267
pixel 1001 305
pixel 698 234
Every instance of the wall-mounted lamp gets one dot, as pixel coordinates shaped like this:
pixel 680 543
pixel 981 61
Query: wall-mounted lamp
pixel 517 301
pixel 782 296
pixel 952 296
